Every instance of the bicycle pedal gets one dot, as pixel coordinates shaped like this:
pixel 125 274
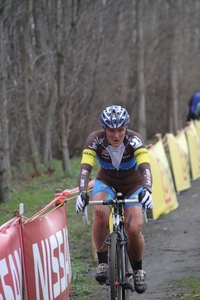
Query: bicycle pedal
pixel 128 286
pixel 107 282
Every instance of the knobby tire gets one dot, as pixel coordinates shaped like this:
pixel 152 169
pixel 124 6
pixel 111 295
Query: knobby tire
pixel 115 267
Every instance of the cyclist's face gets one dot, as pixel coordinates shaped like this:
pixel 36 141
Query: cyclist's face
pixel 115 136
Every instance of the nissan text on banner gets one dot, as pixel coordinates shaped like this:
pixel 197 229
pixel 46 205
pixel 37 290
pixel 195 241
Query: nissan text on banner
pixel 10 264
pixel 47 257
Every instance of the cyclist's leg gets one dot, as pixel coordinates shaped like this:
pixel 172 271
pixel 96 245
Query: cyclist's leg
pixel 133 225
pixel 101 191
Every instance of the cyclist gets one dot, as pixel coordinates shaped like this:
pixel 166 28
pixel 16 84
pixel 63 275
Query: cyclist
pixel 125 168
pixel 193 111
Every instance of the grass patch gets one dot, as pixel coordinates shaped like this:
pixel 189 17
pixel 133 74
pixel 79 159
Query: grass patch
pixel 191 285
pixel 37 192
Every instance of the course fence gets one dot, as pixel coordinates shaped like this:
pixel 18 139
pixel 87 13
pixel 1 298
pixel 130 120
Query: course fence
pixel 175 161
pixel 35 255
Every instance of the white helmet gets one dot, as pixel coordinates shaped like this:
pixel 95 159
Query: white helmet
pixel 114 116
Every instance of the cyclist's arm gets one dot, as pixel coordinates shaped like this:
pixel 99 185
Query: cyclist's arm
pixel 87 162
pixel 143 162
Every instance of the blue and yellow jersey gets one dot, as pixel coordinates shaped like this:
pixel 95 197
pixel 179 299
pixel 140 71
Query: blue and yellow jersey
pixel 134 160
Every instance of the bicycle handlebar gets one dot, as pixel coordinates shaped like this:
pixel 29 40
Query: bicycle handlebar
pixel 112 201
pixel 109 202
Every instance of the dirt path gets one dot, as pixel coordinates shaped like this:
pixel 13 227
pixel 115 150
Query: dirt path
pixel 172 249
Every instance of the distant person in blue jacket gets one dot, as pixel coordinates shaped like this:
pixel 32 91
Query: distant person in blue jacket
pixel 193 112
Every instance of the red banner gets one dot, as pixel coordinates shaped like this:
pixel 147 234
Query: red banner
pixel 47 257
pixel 10 264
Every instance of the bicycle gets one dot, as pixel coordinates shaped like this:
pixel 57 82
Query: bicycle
pixel 119 277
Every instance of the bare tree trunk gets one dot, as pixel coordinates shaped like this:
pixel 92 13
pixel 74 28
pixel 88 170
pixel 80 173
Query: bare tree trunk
pixel 60 83
pixel 46 142
pixel 4 96
pixel 140 70
pixel 64 144
pixel 5 194
pixel 5 129
pixel 45 65
pixel 25 69
pixel 173 73
pixel 173 103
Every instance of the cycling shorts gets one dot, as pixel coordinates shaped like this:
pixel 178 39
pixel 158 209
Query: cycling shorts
pixel 100 186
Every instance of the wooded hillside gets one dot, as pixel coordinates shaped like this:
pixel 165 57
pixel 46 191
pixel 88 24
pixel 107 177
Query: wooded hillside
pixel 62 62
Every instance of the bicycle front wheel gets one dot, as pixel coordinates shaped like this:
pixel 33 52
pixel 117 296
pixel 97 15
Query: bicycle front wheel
pixel 115 268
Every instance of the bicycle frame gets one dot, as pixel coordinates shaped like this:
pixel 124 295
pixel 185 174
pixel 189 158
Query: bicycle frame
pixel 119 277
